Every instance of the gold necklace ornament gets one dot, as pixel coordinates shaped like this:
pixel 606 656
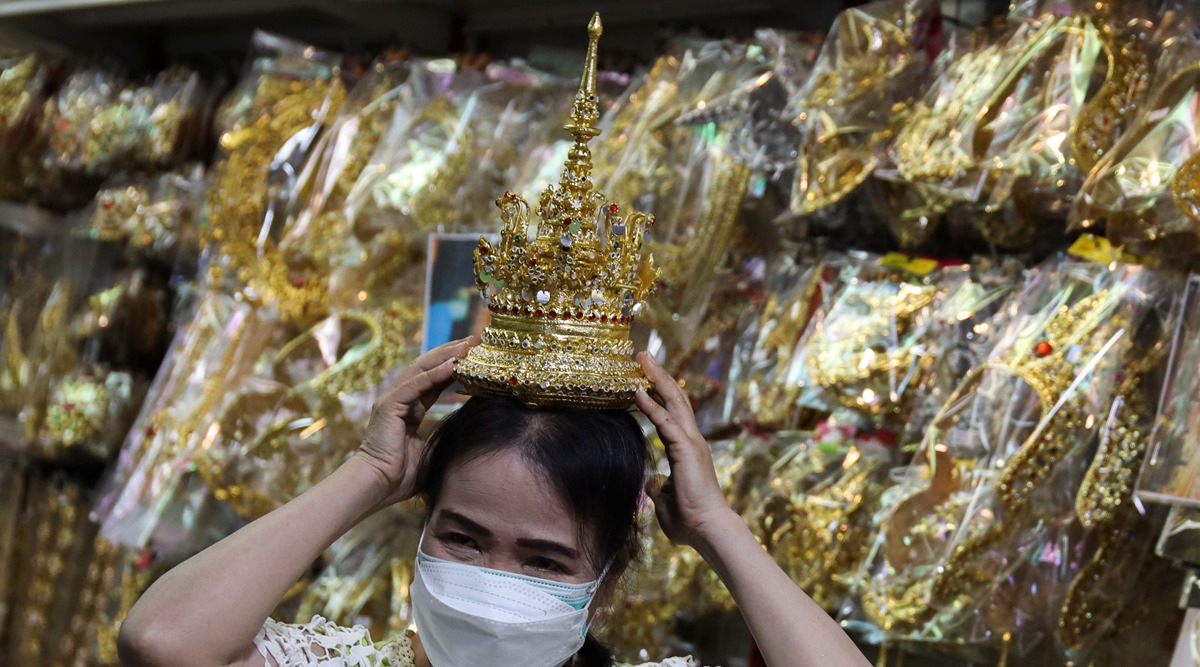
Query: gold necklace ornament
pixel 866 351
pixel 1055 353
pixel 1126 190
pixel 1104 506
pixel 563 286
pixel 862 78
pixel 281 434
pixel 1110 111
pixel 283 108
pixel 1090 331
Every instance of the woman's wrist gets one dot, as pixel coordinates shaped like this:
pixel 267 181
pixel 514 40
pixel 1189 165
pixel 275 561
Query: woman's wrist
pixel 367 479
pixel 713 534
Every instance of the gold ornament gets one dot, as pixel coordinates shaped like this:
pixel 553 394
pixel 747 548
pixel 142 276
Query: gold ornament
pixel 1110 111
pixel 79 409
pixel 1057 351
pixel 868 347
pixel 563 299
pixel 1084 331
pixel 282 108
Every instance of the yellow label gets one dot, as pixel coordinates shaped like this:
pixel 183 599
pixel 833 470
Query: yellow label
pixel 1098 249
pixel 915 265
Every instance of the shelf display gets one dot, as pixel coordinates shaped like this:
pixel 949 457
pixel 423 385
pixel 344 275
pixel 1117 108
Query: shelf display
pixel 948 451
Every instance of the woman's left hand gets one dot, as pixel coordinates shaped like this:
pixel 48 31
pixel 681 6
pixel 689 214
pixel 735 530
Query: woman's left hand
pixel 690 500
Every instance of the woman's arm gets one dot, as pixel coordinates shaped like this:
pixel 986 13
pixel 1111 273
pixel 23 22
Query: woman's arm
pixel 207 611
pixel 789 628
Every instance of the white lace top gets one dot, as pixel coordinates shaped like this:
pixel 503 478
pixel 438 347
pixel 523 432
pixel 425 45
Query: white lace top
pixel 320 643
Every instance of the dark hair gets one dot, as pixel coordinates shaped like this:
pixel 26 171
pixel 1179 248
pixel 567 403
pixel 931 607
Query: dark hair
pixel 597 461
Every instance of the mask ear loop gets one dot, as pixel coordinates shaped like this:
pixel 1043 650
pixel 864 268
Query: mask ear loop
pixel 421 540
pixel 603 574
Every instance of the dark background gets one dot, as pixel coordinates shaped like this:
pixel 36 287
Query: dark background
pixel 148 35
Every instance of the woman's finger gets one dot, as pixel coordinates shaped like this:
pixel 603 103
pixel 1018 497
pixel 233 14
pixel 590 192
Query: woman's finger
pixel 431 382
pixel 430 360
pixel 659 415
pixel 674 399
pixel 672 394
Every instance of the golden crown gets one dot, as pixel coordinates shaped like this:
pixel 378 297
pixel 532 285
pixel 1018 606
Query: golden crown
pixel 563 297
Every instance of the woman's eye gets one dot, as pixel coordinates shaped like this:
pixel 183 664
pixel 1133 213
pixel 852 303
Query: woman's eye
pixel 546 564
pixel 459 539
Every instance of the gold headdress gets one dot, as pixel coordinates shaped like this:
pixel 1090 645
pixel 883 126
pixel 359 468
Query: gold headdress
pixel 564 287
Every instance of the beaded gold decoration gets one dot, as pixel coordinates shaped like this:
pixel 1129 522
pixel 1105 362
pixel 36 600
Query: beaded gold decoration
pixel 1078 332
pixel 1104 505
pixel 282 108
pixel 77 412
pixel 1111 109
pixel 1185 189
pixel 866 341
pixel 76 648
pixel 563 297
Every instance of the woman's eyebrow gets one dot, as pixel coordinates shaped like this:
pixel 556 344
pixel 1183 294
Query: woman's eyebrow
pixel 548 545
pixel 464 522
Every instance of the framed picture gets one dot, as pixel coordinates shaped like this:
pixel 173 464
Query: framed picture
pixel 453 309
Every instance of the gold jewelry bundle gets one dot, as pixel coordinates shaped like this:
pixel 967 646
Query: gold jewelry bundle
pixel 563 297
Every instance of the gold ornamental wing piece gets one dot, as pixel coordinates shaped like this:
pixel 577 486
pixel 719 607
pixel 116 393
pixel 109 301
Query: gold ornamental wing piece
pixel 563 285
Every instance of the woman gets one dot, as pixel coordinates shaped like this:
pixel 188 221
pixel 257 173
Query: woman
pixel 527 534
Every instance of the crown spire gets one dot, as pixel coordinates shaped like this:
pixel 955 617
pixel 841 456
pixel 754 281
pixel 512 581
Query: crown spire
pixel 584 114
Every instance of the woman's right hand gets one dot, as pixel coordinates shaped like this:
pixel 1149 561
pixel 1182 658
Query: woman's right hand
pixel 392 447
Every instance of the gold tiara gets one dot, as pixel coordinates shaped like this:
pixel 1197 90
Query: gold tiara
pixel 564 285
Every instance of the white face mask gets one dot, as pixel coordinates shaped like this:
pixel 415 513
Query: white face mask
pixel 470 616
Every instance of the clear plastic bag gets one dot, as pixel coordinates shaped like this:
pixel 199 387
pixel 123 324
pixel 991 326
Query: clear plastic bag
pixel 1140 190
pixel 1046 122
pixel 1022 479
pixel 873 59
pixel 269 124
pixel 664 151
pixel 156 217
pixel 870 348
pixel 1172 470
pixel 929 163
pixel 153 498
pixel 300 414
pixel 768 345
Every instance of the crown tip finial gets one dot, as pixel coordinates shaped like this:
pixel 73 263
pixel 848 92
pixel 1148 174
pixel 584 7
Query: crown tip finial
pixel 595 29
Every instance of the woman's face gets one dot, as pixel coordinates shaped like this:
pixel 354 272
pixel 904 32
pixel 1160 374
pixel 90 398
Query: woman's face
pixel 497 511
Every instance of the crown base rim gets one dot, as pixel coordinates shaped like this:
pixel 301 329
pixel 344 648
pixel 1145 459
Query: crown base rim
pixel 550 397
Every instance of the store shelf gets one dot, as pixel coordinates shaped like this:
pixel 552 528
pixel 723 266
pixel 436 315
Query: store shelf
pixel 147 32
pixel 140 32
pixel 503 15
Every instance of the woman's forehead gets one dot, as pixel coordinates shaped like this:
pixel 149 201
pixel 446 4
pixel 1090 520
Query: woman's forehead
pixel 510 496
